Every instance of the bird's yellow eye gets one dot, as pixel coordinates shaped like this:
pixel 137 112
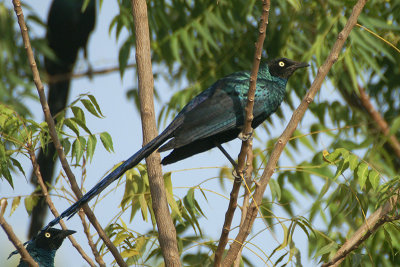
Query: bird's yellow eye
pixel 47 235
pixel 281 64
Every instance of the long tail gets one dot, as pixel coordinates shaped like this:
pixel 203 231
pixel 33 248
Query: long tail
pixel 118 172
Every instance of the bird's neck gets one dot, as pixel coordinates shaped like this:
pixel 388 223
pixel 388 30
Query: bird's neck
pixel 42 256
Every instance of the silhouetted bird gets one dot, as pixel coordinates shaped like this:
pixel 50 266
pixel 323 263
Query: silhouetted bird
pixel 43 247
pixel 68 30
pixel 213 117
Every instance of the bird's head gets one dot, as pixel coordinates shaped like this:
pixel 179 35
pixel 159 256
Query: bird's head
pixel 283 67
pixel 52 238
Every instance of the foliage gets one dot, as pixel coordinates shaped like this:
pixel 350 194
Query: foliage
pixel 350 168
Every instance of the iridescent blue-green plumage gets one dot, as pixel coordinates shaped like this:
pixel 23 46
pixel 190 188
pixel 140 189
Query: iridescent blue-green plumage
pixel 213 117
pixel 43 247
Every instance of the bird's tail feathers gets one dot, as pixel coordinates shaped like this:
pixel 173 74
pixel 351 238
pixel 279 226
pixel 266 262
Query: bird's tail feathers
pixel 118 172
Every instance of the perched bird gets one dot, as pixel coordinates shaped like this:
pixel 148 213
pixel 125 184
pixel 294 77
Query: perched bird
pixel 68 30
pixel 43 247
pixel 213 117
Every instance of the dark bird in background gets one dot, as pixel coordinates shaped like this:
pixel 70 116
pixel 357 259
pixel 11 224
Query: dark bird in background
pixel 213 117
pixel 68 30
pixel 43 247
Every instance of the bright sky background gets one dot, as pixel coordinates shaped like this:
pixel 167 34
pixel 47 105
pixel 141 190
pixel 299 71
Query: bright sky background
pixel 122 121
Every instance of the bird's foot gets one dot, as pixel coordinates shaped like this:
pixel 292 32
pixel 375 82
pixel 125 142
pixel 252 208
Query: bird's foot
pixel 238 177
pixel 245 137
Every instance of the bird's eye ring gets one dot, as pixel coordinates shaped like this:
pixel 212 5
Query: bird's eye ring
pixel 281 63
pixel 47 235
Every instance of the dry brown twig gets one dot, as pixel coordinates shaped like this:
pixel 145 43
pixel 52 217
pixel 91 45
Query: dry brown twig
pixel 25 256
pixel 166 228
pixel 288 132
pixel 51 204
pixel 92 245
pixel 246 145
pixel 88 73
pixel 53 134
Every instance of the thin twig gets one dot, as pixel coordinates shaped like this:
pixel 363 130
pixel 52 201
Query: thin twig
pixel 288 132
pixel 88 73
pixel 86 229
pixel 246 131
pixel 380 121
pixel 371 225
pixel 53 134
pixel 165 225
pixel 25 256
pixel 50 203
pixel 246 197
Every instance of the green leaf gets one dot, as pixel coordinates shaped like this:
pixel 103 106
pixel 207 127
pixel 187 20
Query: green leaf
pixel 72 125
pixel 353 162
pixel 78 147
pixel 129 253
pixel 175 48
pixel 188 44
pixel 326 249
pixel 30 202
pixel 374 179
pixel 362 174
pixel 143 206
pixel 91 146
pixel 78 114
pixel 275 190
pixel 213 20
pixel 90 107
pixel 15 203
pixel 106 140
pixel 18 165
pixel 82 125
pixel 395 126
pixel 285 238
pixel 170 196
pixel 205 33
pixel 121 236
pixel 94 102
pixel 124 54
pixel 343 165
pixel 4 166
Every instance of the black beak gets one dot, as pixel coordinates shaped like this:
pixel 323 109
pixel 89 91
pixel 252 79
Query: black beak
pixel 66 233
pixel 299 65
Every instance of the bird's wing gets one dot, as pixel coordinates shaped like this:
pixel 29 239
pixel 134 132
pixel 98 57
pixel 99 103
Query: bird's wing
pixel 221 110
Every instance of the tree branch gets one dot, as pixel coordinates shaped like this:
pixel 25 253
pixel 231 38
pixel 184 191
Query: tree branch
pixel 53 133
pixel 246 145
pixel 371 225
pixel 166 228
pixel 92 246
pixel 288 132
pixel 88 73
pixel 52 207
pixel 25 256
pixel 380 121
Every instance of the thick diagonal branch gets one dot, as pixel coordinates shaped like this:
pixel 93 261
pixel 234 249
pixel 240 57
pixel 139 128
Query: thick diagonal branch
pixel 288 132
pixel 53 134
pixel 371 225
pixel 166 228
